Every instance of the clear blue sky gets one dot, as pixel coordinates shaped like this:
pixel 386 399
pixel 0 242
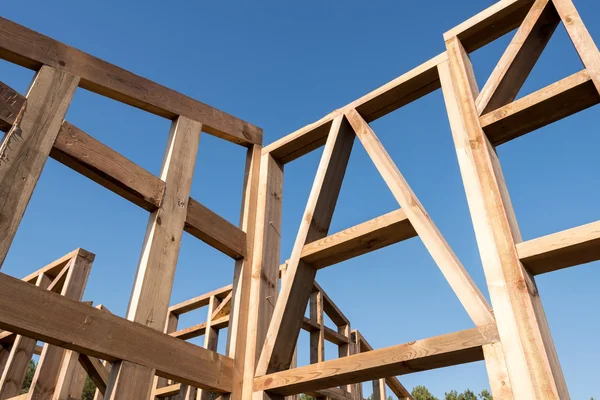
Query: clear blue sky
pixel 282 65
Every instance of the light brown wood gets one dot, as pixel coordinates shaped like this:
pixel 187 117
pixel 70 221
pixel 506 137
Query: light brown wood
pixel 490 24
pixel 170 327
pixel 331 309
pixel 54 319
pixel 30 49
pixel 550 104
pixel 520 57
pixel 265 266
pixel 200 329
pixel 299 278
pixel 497 371
pixel 91 158
pixel 11 104
pixel 243 273
pixel 463 286
pixel 97 394
pixel 529 352
pixel 97 372
pixel 21 351
pixel 156 270
pixel 214 230
pixel 136 387
pixel 420 355
pixel 222 309
pixel 360 239
pixel 211 338
pixel 43 384
pixel 25 148
pixel 560 250
pixel 329 334
pixel 379 392
pixel 199 301
pixel 581 38
pixel 168 391
pixel 317 337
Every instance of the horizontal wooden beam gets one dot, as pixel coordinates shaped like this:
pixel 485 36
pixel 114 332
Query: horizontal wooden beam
pixel 54 319
pixel 30 49
pixel 329 334
pixel 490 24
pixel 393 383
pixel 560 250
pixel 200 301
pixel 360 239
pixel 91 158
pixel 200 329
pixel 168 391
pixel 552 103
pixel 215 230
pixel 421 355
pixel 403 90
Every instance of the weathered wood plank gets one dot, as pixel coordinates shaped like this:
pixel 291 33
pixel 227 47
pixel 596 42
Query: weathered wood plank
pixel 536 110
pixel 298 282
pixel 50 317
pixel 560 250
pixel 97 372
pixel 12 103
pixel 317 337
pixel 329 334
pixel 360 239
pixel 520 57
pixel 200 329
pixel 30 49
pixel 421 355
pixel 25 148
pixel 211 339
pixel 222 309
pixel 199 301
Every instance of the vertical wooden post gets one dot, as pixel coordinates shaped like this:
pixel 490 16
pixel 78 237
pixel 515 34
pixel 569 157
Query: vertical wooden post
pixel 527 345
pixel 4 353
pixel 317 338
pixel 344 350
pixel 294 365
pixel 156 270
pixel 71 377
pixel 98 395
pixel 170 326
pixel 355 349
pixel 211 340
pixel 18 359
pixel 265 267
pixel 46 375
pixel 242 299
pixel 379 389
pixel 26 146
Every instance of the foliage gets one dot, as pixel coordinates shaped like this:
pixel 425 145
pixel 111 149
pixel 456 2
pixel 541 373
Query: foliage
pixel 422 393
pixel 466 395
pixel 89 389
pixel 28 377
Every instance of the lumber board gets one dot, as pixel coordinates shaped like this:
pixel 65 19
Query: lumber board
pixel 52 318
pixel 526 340
pixel 560 250
pixel 22 349
pixel 403 90
pixel 394 384
pixel 25 148
pixel 329 334
pixel 490 24
pixel 199 301
pixel 168 391
pixel 211 338
pixel 317 337
pixel 331 394
pixel 369 236
pixel 420 355
pixel 331 309
pixel 200 329
pixel 12 103
pixel 97 372
pixel 298 282
pixel 265 264
pixel 536 110
pixel 98 162
pixel 222 309
pixel 520 57
pixel 457 277
pixel 214 230
pixel 45 378
pixel 31 49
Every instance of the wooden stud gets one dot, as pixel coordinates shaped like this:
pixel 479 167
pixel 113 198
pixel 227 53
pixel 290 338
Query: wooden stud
pixel 265 267
pixel 170 328
pixel 43 384
pixel 465 289
pixel 211 339
pixel 21 352
pixel 287 318
pixel 30 49
pixel 25 148
pixel 420 355
pixel 223 309
pixel 97 394
pixel 12 103
pixel 199 301
pixel 529 352
pixel 97 371
pixel 519 58
pixel 344 351
pixel 379 392
pixel 317 337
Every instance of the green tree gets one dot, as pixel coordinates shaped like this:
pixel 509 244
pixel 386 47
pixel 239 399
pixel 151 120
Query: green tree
pixel 422 393
pixel 28 377
pixel 485 395
pixel 89 389
pixel 306 397
pixel 466 395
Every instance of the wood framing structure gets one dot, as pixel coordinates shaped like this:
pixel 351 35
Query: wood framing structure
pixel 263 313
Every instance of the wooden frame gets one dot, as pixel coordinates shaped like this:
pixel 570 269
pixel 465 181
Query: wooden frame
pixel 265 315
